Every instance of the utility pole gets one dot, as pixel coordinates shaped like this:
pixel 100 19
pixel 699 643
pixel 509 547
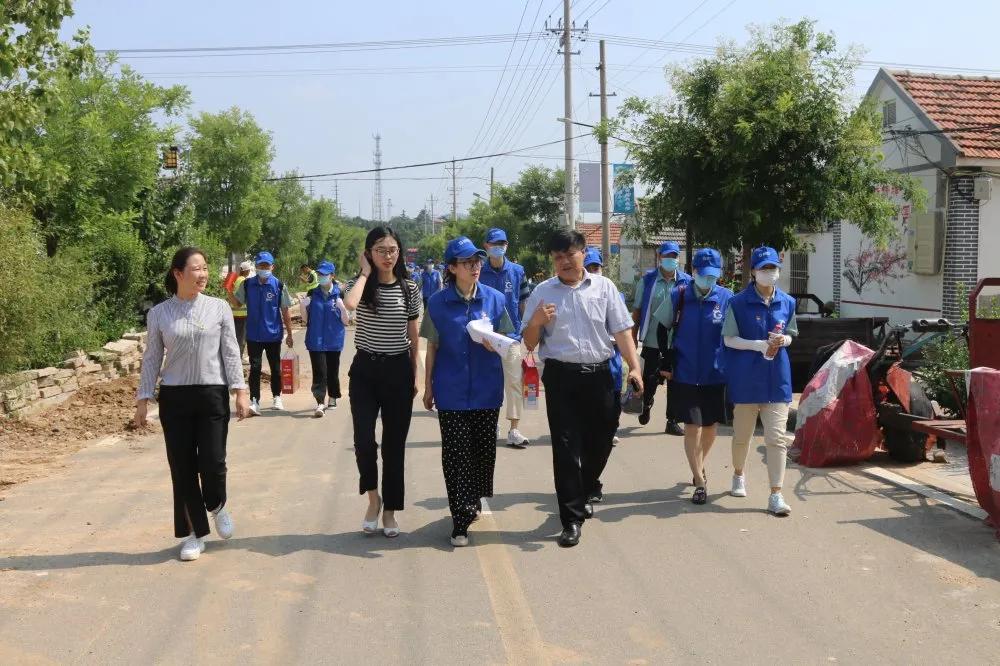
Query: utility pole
pixel 567 28
pixel 388 217
pixel 605 167
pixel 336 196
pixel 310 189
pixel 454 191
pixel 377 203
pixel 432 200
pixel 491 186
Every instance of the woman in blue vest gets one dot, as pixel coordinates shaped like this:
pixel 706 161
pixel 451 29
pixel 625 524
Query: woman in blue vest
pixel 465 380
pixel 758 327
pixel 693 316
pixel 326 317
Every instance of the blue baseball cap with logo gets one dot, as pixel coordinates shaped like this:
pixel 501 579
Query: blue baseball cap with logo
pixel 763 256
pixel 496 235
pixel 462 248
pixel 707 262
pixel 326 268
pixel 593 256
pixel 669 247
pixel 263 258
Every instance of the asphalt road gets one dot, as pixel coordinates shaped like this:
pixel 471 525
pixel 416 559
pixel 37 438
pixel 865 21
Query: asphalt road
pixel 861 572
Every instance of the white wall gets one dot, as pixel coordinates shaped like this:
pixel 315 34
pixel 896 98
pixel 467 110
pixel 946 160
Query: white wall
pixel 989 234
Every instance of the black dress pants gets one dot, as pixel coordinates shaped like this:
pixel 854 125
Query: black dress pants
pixel 651 379
pixel 195 426
pixel 381 384
pixel 326 374
pixel 273 351
pixel 583 416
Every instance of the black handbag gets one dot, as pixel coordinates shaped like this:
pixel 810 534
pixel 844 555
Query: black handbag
pixel 668 354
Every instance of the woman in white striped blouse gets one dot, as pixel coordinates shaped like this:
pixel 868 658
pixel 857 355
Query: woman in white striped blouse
pixel 203 365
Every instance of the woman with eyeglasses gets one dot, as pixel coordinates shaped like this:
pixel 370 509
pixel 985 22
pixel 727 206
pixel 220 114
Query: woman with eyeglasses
pixel 466 381
pixel 383 374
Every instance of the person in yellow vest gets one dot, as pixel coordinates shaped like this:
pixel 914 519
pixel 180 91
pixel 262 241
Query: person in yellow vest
pixel 240 310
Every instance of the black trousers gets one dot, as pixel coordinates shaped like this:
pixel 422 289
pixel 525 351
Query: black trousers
pixel 583 416
pixel 195 426
pixel 468 459
pixel 241 332
pixel 273 351
pixel 326 374
pixel 383 385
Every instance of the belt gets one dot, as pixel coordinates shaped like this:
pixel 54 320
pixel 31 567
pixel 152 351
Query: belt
pixel 379 356
pixel 581 368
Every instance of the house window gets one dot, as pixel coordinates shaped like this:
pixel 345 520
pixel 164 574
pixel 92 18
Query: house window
pixel 888 113
pixel 799 274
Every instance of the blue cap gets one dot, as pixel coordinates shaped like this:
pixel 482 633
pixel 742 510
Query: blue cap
pixel 669 247
pixel 326 268
pixel 496 235
pixel 707 262
pixel 762 256
pixel 263 258
pixel 462 248
pixel 593 256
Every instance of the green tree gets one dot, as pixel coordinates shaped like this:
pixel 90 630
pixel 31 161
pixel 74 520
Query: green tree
pixel 760 144
pixel 285 226
pixel 432 247
pixel 230 157
pixel 31 56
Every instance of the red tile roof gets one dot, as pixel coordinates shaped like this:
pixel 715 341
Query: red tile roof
pixel 594 235
pixel 955 102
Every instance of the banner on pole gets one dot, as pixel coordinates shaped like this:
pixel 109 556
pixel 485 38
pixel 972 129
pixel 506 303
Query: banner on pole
pixel 624 194
pixel 590 187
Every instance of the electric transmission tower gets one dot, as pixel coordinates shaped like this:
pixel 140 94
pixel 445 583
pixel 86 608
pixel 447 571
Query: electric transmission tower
pixel 377 203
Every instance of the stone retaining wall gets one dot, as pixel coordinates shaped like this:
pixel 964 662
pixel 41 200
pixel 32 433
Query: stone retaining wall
pixel 32 391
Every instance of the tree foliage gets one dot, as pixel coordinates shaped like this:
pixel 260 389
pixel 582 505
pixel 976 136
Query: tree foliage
pixel 761 144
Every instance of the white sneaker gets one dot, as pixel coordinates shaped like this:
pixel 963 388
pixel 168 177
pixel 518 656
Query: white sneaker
pixel 320 410
pixel 739 486
pixel 460 541
pixel 776 505
pixel 192 548
pixel 223 523
pixel 616 441
pixel 516 439
pixel 254 407
pixel 333 404
pixel 277 404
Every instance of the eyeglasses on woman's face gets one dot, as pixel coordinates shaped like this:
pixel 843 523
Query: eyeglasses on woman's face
pixel 386 252
pixel 473 264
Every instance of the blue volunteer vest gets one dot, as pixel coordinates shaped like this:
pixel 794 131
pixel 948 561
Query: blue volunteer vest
pixel 264 309
pixel 430 283
pixel 648 280
pixel 507 280
pixel 698 338
pixel 615 364
pixel 750 377
pixel 324 329
pixel 466 375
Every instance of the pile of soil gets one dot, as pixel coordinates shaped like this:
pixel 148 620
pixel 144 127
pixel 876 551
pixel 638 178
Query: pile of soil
pixel 30 447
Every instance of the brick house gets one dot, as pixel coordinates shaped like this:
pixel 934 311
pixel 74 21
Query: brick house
pixel 944 131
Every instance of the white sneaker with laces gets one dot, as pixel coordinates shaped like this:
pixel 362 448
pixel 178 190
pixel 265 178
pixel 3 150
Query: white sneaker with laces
pixel 223 523
pixel 460 541
pixel 278 404
pixel 254 407
pixel 320 410
pixel 516 439
pixel 739 486
pixel 776 505
pixel 192 548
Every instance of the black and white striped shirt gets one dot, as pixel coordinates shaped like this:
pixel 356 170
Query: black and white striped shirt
pixel 385 332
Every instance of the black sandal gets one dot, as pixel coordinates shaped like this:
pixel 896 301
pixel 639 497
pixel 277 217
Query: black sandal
pixel 694 481
pixel 700 495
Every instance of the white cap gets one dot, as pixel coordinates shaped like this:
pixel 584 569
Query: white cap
pixel 246 266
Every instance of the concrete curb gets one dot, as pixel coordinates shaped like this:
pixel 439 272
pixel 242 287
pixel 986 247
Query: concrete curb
pixel 900 481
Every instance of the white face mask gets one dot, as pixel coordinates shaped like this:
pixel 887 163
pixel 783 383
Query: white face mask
pixel 767 277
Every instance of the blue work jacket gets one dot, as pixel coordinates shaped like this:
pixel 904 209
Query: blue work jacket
pixel 264 309
pixel 697 340
pixel 324 329
pixel 648 280
pixel 508 280
pixel 430 283
pixel 466 375
pixel 751 378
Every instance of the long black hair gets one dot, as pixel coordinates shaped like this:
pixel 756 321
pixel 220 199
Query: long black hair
pixel 179 263
pixel 368 298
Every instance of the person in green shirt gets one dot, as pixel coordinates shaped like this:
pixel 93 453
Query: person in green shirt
pixel 308 277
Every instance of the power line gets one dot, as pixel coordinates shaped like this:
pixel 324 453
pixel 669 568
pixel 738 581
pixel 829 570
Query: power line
pixel 413 166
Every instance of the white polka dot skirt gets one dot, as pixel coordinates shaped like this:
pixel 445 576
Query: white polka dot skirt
pixel 468 458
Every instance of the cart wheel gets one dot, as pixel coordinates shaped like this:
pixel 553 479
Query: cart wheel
pixel 906 446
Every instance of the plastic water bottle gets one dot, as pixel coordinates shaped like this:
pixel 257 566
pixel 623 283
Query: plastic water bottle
pixel 772 351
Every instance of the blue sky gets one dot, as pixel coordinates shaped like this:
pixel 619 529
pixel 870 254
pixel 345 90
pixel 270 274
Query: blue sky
pixel 429 103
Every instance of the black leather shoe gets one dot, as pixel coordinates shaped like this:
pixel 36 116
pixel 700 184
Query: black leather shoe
pixel 588 510
pixel 570 536
pixel 644 417
pixel 674 428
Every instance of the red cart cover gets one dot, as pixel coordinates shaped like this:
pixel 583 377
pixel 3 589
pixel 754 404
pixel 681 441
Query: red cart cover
pixel 837 424
pixel 984 440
